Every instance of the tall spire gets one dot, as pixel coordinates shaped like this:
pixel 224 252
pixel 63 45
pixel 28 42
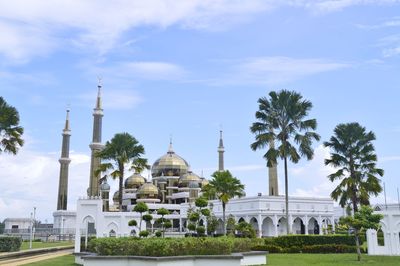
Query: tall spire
pixel 170 148
pixel 64 160
pixel 96 145
pixel 273 176
pixel 221 151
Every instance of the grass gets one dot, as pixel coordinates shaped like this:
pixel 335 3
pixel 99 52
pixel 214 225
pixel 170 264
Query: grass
pixel 281 260
pixel 330 259
pixel 25 245
pixel 68 260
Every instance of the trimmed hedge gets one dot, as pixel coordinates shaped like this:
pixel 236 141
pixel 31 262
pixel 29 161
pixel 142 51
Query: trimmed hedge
pixel 310 240
pixel 10 243
pixel 161 247
pixel 330 248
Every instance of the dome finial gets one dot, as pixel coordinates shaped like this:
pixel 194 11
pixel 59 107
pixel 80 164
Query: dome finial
pixel 99 86
pixel 170 149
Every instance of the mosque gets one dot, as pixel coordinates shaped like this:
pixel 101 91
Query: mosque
pixel 175 187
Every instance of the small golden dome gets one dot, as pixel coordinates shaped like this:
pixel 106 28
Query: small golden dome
pixel 134 181
pixel 185 179
pixel 204 182
pixel 148 190
pixel 169 164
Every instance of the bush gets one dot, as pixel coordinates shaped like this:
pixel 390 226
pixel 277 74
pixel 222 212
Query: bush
pixel 160 247
pixel 10 243
pixel 310 240
pixel 144 233
pixel 269 248
pixel 329 249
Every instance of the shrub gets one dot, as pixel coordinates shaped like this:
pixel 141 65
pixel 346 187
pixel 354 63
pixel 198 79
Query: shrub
pixel 200 230
pixel 132 223
pixel 144 233
pixel 310 240
pixel 158 233
pixel 270 248
pixel 10 243
pixel 169 246
pixel 329 249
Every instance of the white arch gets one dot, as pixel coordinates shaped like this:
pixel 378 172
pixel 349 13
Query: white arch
pixel 254 222
pixel 297 225
pixel 268 228
pixel 112 226
pixel 313 226
pixel 282 226
pixel 88 219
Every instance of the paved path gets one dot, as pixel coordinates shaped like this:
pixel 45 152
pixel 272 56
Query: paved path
pixel 35 258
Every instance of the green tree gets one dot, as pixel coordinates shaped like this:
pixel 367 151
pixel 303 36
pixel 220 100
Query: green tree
pixel 162 220
pixel 282 119
pixel 10 131
pixel 141 207
pixel 362 220
pixel 123 149
pixel 246 230
pixel 353 155
pixel 226 187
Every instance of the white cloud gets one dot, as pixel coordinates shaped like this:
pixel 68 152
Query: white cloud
pixel 389 158
pixel 392 22
pixel 313 176
pixel 28 29
pixel 117 99
pixel 277 70
pixel 37 28
pixel 30 179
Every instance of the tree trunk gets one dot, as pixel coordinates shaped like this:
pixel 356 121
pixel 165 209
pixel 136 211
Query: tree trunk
pixel 357 244
pixel 223 217
pixel 121 179
pixel 286 197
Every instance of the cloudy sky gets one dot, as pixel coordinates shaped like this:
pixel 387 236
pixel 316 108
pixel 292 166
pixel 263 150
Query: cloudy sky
pixel 186 69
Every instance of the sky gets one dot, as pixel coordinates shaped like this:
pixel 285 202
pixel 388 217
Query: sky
pixel 187 69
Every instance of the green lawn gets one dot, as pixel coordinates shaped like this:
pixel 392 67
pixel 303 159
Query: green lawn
pixel 25 245
pixel 282 260
pixel 68 260
pixel 330 259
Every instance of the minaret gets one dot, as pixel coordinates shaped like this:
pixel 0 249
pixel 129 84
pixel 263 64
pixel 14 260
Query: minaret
pixel 64 163
pixel 221 151
pixel 96 146
pixel 273 176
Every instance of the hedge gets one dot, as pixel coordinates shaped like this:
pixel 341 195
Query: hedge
pixel 10 243
pixel 330 248
pixel 310 240
pixel 160 247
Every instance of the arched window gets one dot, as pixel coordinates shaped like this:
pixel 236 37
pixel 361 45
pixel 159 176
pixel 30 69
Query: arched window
pixel 112 233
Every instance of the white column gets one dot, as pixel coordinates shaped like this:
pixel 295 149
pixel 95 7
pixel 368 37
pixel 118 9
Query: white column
pixel 320 225
pixel 275 222
pixel 259 226
pixel 290 224
pixel 306 225
pixel 333 224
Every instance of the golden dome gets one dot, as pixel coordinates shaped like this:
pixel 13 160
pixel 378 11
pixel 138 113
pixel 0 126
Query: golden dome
pixel 148 190
pixel 169 164
pixel 134 181
pixel 186 179
pixel 204 182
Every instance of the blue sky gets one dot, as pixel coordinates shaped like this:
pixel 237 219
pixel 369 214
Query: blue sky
pixel 184 68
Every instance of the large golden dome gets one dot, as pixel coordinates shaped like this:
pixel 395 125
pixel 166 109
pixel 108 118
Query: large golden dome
pixel 148 190
pixel 187 178
pixel 169 164
pixel 134 181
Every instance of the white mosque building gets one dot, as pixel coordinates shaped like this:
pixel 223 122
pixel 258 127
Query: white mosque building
pixel 174 186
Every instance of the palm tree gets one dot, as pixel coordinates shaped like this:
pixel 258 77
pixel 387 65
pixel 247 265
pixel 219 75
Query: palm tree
pixel 123 149
pixel 281 118
pixel 10 131
pixel 353 155
pixel 226 187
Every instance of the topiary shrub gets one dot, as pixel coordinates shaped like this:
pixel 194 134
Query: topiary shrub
pixel 10 243
pixel 169 246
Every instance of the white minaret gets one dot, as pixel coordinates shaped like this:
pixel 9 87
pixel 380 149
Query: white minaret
pixel 221 151
pixel 96 146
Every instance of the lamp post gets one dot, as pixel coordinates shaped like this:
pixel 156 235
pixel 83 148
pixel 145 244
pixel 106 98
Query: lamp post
pixel 30 234
pixel 34 219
